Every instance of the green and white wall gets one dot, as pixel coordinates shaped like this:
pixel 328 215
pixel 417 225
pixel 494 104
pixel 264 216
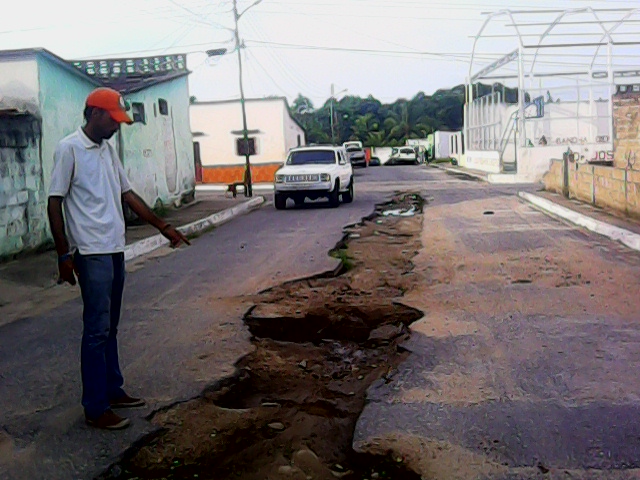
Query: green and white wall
pixel 158 153
pixel 41 101
pixel 47 101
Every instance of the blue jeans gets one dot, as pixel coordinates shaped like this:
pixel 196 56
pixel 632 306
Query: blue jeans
pixel 101 279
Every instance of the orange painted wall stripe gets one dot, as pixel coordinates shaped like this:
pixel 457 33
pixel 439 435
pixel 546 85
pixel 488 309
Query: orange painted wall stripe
pixel 227 174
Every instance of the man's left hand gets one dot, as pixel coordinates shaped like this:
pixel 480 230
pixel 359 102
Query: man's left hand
pixel 175 237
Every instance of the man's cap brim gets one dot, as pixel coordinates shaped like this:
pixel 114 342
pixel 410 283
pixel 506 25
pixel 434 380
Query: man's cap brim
pixel 120 116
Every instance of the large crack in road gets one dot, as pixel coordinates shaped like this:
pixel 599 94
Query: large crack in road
pixel 291 409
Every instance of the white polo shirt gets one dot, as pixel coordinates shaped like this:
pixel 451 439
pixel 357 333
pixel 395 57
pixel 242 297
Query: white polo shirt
pixel 91 180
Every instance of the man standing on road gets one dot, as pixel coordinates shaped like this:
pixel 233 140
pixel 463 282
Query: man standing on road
pixel 88 181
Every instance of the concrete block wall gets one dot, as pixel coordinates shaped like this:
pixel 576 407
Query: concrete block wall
pixel 23 216
pixel 609 187
pixel 581 182
pixel 626 122
pixel 616 187
pixel 553 178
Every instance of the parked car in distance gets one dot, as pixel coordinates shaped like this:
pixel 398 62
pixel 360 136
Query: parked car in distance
pixel 356 154
pixel 375 162
pixel 314 172
pixel 404 156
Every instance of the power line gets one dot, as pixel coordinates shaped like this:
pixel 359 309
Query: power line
pixel 358 50
pixel 310 14
pixel 295 76
pixel 267 73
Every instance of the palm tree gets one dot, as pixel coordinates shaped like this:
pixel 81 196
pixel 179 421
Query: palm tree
pixel 375 139
pixel 402 126
pixel 362 126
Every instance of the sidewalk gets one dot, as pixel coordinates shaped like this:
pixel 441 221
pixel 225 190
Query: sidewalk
pixel 468 172
pixel 504 178
pixel 609 223
pixel 23 282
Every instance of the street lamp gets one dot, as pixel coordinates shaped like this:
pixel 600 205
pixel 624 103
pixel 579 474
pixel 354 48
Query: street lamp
pixel 333 95
pixel 245 134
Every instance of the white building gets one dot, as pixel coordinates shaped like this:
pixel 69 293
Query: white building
pixel 217 136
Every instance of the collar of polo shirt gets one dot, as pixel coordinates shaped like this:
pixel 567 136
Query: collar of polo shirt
pixel 86 141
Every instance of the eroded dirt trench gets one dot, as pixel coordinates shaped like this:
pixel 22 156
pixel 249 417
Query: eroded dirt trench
pixel 291 409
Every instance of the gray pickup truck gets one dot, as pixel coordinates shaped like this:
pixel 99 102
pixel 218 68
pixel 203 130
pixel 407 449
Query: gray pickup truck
pixel 356 154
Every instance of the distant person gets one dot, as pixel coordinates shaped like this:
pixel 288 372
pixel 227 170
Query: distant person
pixel 542 141
pixel 89 184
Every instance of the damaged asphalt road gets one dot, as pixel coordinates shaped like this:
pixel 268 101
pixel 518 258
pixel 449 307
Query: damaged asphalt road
pixel 291 409
pixel 482 341
pixel 182 331
pixel 523 365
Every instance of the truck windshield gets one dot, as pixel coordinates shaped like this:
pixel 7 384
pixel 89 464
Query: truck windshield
pixel 312 157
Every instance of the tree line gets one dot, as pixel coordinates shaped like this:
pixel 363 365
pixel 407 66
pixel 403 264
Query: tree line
pixel 376 124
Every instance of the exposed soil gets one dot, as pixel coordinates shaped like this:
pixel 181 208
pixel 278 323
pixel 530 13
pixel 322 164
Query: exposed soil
pixel 291 409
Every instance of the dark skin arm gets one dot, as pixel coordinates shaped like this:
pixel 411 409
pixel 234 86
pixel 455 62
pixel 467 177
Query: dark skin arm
pixel 56 222
pixel 140 208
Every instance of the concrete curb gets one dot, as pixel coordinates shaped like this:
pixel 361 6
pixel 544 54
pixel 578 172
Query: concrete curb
pixel 630 239
pixel 149 244
pixel 479 176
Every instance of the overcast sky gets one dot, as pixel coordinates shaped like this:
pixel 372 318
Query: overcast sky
pixel 389 49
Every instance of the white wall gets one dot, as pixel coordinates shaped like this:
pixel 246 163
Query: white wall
pixel 561 126
pixel 216 120
pixel 19 85
pixel 383 153
pixel 441 145
pixel 485 160
pixel 292 131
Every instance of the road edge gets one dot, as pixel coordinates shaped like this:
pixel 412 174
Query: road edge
pixel 484 177
pixel 626 237
pixel 149 244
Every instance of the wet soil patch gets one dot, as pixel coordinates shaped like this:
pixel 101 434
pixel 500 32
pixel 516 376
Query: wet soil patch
pixel 291 409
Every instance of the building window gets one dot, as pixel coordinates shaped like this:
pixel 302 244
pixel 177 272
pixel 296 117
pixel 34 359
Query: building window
pixel 240 146
pixel 137 111
pixel 163 106
pixel 299 140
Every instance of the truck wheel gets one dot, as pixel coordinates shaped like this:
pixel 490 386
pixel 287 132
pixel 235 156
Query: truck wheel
pixel 334 196
pixel 347 197
pixel 280 201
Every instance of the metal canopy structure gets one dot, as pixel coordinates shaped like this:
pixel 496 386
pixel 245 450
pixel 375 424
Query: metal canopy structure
pixel 606 28
pixel 576 55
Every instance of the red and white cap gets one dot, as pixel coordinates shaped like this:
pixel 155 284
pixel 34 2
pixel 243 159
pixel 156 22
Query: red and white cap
pixel 110 100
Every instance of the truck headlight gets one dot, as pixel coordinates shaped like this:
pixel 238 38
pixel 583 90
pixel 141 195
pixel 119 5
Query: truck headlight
pixel 325 177
pixel 279 178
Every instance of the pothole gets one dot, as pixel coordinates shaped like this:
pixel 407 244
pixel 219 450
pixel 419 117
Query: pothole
pixel 291 409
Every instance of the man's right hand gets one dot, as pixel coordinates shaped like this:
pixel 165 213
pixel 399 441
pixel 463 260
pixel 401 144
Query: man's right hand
pixel 65 271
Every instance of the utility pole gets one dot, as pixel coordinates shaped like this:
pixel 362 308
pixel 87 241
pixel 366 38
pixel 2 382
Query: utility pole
pixel 245 133
pixel 333 141
pixel 333 94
